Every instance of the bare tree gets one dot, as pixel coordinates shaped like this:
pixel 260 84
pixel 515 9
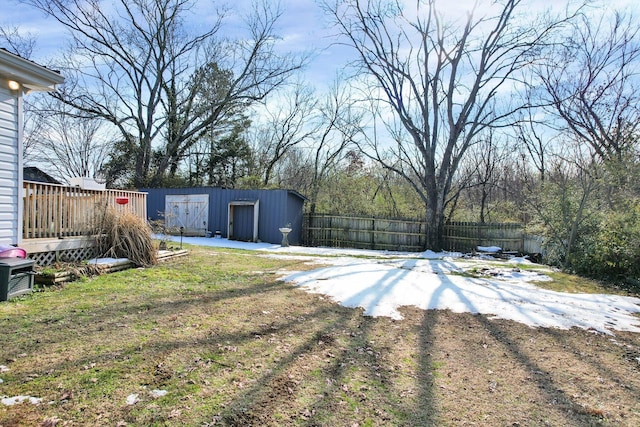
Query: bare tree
pixel 535 139
pixel 534 147
pixel 289 122
pixel 304 137
pixel 69 146
pixel 141 70
pixel 17 41
pixel 591 83
pixel 487 159
pixel 339 123
pixel 568 199
pixel 441 82
pixel 33 127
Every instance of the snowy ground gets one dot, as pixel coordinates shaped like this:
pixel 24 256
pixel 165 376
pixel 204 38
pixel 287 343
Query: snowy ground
pixel 380 282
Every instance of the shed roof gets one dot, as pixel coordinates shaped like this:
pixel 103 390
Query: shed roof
pixel 295 193
pixel 29 74
pixel 35 174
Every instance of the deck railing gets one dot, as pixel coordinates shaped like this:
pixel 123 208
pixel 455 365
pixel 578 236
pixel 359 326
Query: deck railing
pixel 61 211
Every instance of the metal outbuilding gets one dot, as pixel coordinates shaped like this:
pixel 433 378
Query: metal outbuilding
pixel 247 215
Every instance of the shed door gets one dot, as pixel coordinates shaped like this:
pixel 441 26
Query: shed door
pixel 243 220
pixel 243 223
pixel 190 211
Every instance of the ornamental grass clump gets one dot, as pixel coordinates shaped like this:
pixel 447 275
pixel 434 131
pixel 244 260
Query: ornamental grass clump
pixel 125 235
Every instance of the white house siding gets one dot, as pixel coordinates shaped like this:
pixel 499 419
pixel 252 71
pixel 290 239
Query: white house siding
pixel 10 159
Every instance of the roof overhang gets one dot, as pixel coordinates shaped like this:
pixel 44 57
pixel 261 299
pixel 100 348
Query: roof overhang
pixel 243 202
pixel 295 193
pixel 31 76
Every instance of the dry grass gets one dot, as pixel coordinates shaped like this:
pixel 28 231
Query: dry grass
pixel 125 235
pixel 232 345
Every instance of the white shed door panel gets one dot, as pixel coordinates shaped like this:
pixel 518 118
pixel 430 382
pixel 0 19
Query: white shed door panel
pixel 190 211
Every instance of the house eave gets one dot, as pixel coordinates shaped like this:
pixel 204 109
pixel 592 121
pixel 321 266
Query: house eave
pixel 31 76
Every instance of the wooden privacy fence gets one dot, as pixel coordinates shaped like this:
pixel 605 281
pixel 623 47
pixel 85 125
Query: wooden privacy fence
pixel 51 210
pixel 410 235
pixel 343 231
pixel 467 236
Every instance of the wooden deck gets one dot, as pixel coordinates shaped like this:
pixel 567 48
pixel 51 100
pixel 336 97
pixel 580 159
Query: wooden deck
pixel 58 221
pixel 58 211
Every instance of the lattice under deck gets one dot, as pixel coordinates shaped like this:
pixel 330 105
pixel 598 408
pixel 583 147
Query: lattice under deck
pixel 44 259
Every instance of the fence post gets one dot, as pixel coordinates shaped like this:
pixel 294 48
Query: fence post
pixel 373 232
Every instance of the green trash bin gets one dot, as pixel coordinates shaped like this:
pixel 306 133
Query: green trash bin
pixel 16 277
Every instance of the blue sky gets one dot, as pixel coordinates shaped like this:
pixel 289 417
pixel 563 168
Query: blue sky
pixel 302 27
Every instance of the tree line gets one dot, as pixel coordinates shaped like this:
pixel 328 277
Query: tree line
pixel 507 114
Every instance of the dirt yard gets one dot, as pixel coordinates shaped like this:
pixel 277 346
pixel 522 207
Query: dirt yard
pixel 218 339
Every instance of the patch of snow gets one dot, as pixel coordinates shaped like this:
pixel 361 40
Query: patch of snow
pixel 520 260
pixel 157 393
pixel 517 275
pixel 381 282
pixel 132 399
pixel 9 401
pixel 4 368
pixel 489 249
pixel 381 288
pixel 429 254
pixel 108 261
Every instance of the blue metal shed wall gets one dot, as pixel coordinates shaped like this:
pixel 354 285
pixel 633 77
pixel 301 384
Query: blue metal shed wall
pixel 277 209
pixel 295 208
